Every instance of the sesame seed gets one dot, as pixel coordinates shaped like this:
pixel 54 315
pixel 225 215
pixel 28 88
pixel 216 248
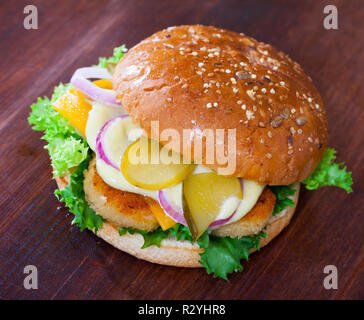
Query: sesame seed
pixel 293 110
pixel 251 94
pixel 253 76
pixel 233 81
pixel 301 121
pixel 272 91
pixel 282 83
pixel 194 53
pixel 239 102
pixel 209 105
pixel 309 99
pixel 243 106
pixel 242 75
pixel 268 155
pixel 264 90
pixel 228 71
pixel 276 121
pixel 235 90
pixel 269 134
pixel 299 131
pixel 290 151
pixel 200 64
pixel 249 114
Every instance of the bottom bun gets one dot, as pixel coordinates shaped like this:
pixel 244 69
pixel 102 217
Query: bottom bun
pixel 173 252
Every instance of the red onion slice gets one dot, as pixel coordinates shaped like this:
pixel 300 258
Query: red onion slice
pixel 220 222
pixel 81 82
pixel 169 208
pixel 100 142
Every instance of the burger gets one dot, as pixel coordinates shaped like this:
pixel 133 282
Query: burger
pixel 189 149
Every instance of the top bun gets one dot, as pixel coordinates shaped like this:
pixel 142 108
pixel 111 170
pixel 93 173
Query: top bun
pixel 199 77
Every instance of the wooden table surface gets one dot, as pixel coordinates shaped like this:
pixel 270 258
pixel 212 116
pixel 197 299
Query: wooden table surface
pixel 36 230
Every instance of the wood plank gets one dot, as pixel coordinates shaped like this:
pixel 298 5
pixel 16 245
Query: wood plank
pixel 35 228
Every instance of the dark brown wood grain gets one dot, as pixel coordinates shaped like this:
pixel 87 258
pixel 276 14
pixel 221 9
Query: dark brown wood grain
pixel 35 229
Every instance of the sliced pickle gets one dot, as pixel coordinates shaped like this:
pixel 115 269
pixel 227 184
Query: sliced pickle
pixel 142 167
pixel 204 195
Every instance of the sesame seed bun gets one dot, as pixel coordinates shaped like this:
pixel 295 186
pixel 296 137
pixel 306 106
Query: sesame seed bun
pixel 199 77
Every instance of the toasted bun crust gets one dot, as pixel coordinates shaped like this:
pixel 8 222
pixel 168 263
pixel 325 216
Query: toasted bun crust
pixel 173 252
pixel 199 77
pixel 177 253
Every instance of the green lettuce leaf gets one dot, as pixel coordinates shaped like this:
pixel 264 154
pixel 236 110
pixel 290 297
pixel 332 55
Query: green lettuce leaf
pixel 117 55
pixel 66 148
pixel 69 153
pixel 329 173
pixel 155 237
pixel 221 256
pixel 282 194
pixel 74 198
